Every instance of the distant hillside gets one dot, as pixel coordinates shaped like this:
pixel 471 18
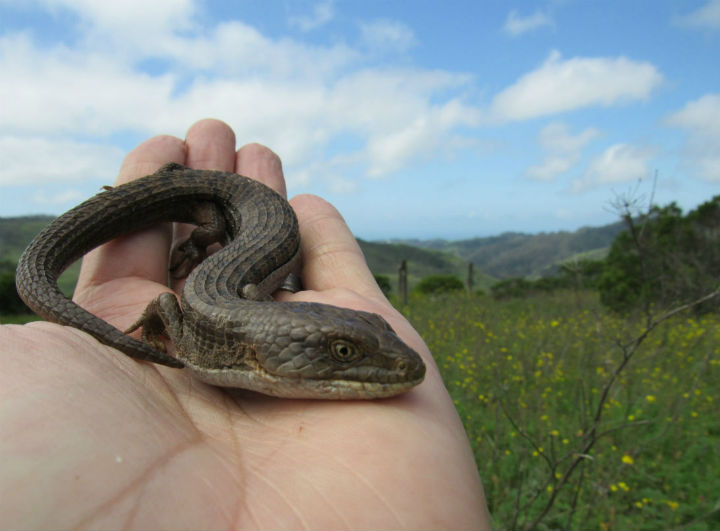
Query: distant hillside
pixel 16 233
pixel 509 254
pixel 514 254
pixel 385 259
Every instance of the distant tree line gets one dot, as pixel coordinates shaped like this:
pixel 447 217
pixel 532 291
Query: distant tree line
pixel 10 301
pixel 662 258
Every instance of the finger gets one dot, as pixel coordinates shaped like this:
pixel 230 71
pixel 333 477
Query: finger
pixel 210 146
pixel 143 254
pixel 262 164
pixel 331 256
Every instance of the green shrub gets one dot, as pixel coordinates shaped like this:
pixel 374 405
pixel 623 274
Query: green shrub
pixel 439 284
pixel 664 258
pixel 10 301
pixel 383 281
pixel 511 287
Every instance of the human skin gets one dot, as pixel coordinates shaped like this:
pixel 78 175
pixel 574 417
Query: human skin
pixel 92 438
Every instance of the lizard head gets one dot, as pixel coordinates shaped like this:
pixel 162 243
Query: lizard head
pixel 311 350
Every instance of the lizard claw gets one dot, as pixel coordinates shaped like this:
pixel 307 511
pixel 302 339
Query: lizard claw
pixel 184 258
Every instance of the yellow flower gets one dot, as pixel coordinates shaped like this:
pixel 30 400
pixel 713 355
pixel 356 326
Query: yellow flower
pixel 554 433
pixel 650 398
pixel 613 487
pixel 672 504
pixel 627 459
pixel 623 486
pixel 638 504
pixel 554 323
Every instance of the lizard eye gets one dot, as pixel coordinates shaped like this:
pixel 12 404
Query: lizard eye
pixel 343 350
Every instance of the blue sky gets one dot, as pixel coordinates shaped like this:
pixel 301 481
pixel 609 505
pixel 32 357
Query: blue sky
pixel 416 119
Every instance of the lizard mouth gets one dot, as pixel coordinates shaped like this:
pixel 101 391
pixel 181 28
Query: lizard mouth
pixel 263 382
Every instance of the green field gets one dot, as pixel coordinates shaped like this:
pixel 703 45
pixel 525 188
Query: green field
pixel 571 425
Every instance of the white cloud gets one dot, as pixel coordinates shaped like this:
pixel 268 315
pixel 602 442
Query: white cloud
pixel 289 95
pixel 165 14
pixel 410 127
pixel 339 185
pixel 701 118
pixel 234 49
pixel 564 85
pixel 563 150
pixel 295 97
pixel 387 35
pixel 128 27
pixel 707 16
pixel 556 137
pixel 63 198
pixel 516 25
pixel 60 90
pixel 323 12
pixel 551 167
pixel 618 163
pixel 25 160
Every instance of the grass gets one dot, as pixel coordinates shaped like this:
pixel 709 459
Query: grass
pixel 530 376
pixel 19 319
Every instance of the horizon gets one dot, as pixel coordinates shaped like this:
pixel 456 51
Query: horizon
pixel 392 239
pixel 456 122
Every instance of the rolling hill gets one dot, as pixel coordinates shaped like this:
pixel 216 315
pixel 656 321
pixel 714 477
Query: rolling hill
pixel 509 254
pixel 514 254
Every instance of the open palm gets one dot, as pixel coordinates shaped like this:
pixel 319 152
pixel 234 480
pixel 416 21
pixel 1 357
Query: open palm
pixel 92 438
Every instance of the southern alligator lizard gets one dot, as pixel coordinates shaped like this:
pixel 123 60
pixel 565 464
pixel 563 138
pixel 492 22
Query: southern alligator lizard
pixel 229 332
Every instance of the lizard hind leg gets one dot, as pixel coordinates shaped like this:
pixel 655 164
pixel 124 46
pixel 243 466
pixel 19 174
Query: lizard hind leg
pixel 162 318
pixel 211 228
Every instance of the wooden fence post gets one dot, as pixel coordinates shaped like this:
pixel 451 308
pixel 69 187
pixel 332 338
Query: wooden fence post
pixel 402 281
pixel 470 277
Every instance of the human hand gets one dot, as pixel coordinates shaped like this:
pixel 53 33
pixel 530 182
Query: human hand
pixel 92 438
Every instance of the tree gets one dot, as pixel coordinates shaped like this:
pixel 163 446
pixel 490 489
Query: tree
pixel 663 258
pixel 583 273
pixel 10 301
